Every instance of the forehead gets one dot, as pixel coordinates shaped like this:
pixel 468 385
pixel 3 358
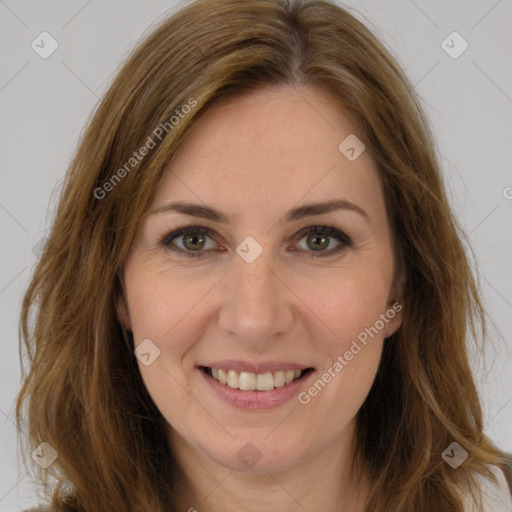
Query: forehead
pixel 273 144
pixel 271 120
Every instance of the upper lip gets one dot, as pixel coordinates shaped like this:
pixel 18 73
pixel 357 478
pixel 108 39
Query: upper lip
pixel 252 367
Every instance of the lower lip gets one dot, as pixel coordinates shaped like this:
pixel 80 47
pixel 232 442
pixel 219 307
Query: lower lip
pixel 256 400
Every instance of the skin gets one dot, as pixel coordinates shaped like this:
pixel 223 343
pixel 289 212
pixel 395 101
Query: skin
pixel 254 157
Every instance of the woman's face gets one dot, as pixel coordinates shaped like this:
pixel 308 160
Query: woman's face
pixel 258 291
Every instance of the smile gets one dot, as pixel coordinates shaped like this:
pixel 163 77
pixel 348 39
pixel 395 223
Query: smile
pixel 247 381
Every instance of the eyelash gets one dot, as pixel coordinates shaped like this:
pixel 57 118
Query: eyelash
pixel 166 239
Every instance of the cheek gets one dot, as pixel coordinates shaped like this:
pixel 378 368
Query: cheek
pixel 161 303
pixel 350 335
pixel 162 312
pixel 171 310
pixel 345 322
pixel 346 303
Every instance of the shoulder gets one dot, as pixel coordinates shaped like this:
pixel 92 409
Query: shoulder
pixel 496 497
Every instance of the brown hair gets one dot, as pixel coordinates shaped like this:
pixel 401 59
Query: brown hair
pixel 83 393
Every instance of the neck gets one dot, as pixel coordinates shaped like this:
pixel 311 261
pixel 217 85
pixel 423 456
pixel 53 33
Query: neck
pixel 323 482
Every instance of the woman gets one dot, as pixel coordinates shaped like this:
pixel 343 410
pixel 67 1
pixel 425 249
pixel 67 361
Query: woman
pixel 254 282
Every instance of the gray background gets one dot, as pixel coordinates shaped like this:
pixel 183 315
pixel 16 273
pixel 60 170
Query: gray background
pixel 45 103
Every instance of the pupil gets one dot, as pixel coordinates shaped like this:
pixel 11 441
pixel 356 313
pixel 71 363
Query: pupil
pixel 323 244
pixel 194 240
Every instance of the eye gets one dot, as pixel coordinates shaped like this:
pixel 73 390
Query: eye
pixel 193 240
pixel 319 238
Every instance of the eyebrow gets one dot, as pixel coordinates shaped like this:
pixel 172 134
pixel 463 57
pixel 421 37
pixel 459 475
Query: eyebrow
pixel 306 210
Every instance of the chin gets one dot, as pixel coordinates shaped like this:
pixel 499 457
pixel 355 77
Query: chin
pixel 257 454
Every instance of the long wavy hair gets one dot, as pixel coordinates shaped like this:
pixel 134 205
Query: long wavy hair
pixel 82 392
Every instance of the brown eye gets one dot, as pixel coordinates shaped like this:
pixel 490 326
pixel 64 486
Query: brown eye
pixel 189 241
pixel 320 238
pixel 318 242
pixel 194 242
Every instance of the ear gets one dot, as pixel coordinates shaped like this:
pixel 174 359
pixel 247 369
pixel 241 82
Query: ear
pixel 394 315
pixel 394 311
pixel 122 312
pixel 123 316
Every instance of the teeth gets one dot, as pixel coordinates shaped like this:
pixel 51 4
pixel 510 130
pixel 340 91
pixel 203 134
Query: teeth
pixel 265 382
pixel 233 379
pixel 279 379
pixel 247 381
pixel 223 376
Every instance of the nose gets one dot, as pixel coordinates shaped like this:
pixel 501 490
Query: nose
pixel 257 302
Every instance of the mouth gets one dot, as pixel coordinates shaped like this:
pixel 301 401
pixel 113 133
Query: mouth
pixel 248 381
